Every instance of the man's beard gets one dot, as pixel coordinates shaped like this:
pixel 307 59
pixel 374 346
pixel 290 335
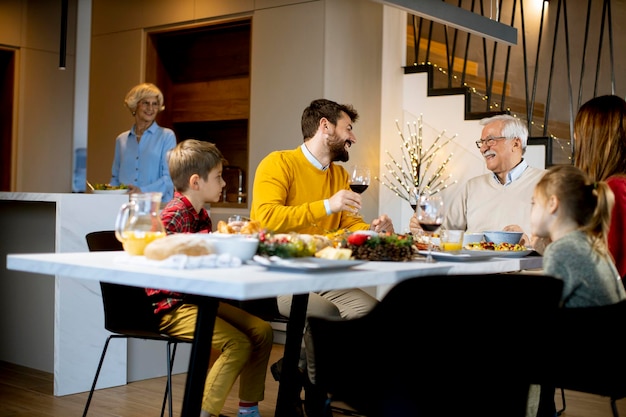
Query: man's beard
pixel 338 152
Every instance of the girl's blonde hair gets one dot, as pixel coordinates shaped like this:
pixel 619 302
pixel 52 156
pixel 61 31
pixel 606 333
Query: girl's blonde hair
pixel 586 202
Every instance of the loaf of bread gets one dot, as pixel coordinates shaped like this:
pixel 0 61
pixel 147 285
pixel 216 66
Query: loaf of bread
pixel 179 243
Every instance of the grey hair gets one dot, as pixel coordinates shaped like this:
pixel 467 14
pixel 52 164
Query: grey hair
pixel 512 127
pixel 140 92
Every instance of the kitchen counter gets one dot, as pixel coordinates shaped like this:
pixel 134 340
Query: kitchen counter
pixel 53 324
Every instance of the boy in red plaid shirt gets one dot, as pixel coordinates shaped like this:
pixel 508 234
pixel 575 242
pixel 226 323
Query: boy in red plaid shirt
pixel 244 340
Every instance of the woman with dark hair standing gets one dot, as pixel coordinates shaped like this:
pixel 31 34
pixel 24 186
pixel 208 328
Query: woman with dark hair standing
pixel 600 152
pixel 140 159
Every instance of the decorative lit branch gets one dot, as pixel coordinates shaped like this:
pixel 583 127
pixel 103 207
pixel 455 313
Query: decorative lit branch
pixel 413 176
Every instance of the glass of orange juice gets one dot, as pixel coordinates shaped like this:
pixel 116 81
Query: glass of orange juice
pixel 451 240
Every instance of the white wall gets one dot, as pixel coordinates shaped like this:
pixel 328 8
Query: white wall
pixel 42 149
pixel 287 73
pixel 353 70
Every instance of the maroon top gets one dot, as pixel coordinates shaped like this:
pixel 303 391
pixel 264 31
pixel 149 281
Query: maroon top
pixel 617 231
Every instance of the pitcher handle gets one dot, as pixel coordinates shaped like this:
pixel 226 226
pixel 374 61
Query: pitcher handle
pixel 121 220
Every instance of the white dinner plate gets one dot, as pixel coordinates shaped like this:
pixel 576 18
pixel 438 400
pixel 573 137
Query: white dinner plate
pixel 504 253
pixel 475 255
pixel 116 191
pixel 305 264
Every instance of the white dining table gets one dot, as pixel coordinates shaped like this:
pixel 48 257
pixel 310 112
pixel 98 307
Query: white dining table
pixel 246 282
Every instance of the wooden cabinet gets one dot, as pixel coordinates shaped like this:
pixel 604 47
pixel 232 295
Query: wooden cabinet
pixel 204 73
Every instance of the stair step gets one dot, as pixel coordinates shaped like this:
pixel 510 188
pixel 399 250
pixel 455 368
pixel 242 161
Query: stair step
pixel 466 91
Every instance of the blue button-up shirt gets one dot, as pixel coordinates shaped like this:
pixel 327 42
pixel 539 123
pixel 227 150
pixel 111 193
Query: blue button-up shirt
pixel 144 163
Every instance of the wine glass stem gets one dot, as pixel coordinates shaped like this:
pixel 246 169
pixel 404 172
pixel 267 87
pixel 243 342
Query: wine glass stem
pixel 429 257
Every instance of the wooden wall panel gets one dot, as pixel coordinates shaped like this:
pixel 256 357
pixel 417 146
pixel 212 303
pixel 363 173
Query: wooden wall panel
pixel 226 99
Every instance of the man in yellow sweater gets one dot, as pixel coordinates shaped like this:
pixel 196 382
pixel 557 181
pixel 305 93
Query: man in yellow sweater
pixel 302 190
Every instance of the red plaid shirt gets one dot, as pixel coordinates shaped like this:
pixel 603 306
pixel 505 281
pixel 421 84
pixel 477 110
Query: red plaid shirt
pixel 178 216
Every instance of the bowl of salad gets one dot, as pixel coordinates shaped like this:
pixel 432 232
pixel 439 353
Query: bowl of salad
pixel 109 189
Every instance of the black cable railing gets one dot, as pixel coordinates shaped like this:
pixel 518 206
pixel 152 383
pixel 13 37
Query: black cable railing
pixel 547 100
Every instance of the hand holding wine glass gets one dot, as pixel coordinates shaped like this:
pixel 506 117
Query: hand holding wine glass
pixel 359 180
pixel 430 213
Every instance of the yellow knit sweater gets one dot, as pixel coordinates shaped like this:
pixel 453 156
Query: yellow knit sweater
pixel 289 194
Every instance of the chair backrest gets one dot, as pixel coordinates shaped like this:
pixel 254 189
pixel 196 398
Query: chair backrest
pixel 589 350
pixel 103 240
pixel 127 309
pixel 436 345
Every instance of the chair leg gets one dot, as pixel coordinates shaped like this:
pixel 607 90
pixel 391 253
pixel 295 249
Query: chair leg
pixel 614 408
pixel 559 412
pixel 327 411
pixel 95 379
pixel 171 355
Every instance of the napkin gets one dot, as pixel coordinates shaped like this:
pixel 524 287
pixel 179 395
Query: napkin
pixel 213 260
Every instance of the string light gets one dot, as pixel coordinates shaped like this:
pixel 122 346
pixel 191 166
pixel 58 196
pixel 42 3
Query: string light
pixel 564 145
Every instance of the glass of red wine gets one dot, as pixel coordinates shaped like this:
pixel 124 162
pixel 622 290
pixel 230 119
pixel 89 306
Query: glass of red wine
pixel 430 212
pixel 359 180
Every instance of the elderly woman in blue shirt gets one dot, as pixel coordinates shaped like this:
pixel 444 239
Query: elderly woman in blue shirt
pixel 140 159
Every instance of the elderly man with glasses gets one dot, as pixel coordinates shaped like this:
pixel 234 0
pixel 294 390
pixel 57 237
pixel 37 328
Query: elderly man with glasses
pixel 501 199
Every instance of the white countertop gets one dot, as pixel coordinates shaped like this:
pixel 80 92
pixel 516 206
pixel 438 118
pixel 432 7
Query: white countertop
pixel 56 197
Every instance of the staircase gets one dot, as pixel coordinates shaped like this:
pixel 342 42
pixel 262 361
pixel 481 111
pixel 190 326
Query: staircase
pixel 515 80
pixel 474 110
pixel 471 112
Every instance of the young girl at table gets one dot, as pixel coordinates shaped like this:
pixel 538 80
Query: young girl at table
pixel 243 340
pixel 575 214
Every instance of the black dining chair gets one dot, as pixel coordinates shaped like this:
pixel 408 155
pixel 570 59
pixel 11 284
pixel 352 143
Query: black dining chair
pixel 128 313
pixel 436 345
pixel 588 353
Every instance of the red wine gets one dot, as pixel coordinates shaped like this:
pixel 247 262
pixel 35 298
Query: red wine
pixel 430 227
pixel 414 206
pixel 358 188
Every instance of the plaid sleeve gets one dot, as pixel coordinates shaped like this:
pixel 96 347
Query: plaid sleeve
pixel 162 300
pixel 174 222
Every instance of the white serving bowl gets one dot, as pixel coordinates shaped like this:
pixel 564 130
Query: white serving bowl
pixel 498 236
pixel 365 232
pixel 472 238
pixel 241 246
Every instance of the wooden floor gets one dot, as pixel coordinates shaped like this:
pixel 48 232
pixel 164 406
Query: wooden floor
pixel 25 392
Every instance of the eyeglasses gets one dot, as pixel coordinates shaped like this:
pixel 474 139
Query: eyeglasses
pixel 144 103
pixel 489 141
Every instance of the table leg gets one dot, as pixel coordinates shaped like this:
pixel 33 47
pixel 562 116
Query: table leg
pixel 200 356
pixel 291 356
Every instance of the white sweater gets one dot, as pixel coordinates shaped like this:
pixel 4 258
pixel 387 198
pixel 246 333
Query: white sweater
pixel 486 204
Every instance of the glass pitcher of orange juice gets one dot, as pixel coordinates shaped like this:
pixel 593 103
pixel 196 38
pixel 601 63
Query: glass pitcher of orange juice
pixel 138 222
